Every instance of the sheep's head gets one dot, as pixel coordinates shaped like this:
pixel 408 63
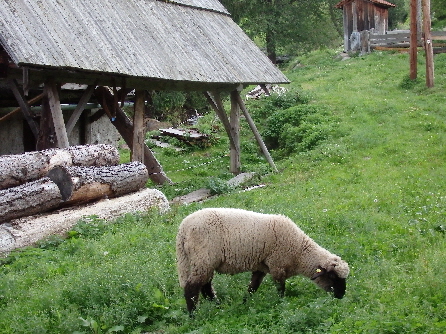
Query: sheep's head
pixel 331 276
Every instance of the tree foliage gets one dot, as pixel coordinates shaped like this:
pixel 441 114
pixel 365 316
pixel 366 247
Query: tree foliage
pixel 288 26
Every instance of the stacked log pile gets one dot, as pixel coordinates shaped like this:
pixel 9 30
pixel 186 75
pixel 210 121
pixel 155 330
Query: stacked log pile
pixel 37 182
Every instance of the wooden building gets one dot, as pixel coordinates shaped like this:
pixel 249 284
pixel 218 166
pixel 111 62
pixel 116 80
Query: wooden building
pixel 360 15
pixel 109 48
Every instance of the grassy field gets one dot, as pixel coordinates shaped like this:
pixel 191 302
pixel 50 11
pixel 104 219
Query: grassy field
pixel 367 180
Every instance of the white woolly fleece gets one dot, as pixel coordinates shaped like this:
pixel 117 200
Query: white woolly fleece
pixel 233 240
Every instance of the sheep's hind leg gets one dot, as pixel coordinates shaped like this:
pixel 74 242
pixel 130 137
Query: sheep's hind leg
pixel 191 294
pixel 256 280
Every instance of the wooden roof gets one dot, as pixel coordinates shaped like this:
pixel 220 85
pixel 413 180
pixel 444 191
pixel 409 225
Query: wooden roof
pixel 380 3
pixel 178 44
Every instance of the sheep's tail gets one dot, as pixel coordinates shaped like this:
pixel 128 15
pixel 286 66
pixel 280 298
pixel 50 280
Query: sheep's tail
pixel 182 260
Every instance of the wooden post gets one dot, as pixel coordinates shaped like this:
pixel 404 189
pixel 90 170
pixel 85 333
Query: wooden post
pixel 79 108
pixel 235 129
pixel 16 110
pixel 428 43
pixel 138 127
pixel 51 91
pixel 47 136
pixel 256 133
pixel 125 127
pixel 413 39
pixel 216 103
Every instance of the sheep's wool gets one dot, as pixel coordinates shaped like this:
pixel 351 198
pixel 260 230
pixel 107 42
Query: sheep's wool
pixel 232 241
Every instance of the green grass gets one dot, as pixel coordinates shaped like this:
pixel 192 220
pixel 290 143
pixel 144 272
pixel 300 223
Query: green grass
pixel 372 192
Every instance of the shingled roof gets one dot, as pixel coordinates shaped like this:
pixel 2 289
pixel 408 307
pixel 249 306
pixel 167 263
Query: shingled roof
pixel 178 44
pixel 381 3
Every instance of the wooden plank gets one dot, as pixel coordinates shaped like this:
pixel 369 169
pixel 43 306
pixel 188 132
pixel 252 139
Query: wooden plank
pixel 256 132
pixel 24 107
pixel 51 91
pixel 79 108
pixel 138 127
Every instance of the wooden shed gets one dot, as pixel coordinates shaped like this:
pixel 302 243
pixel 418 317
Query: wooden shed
pixel 109 48
pixel 360 15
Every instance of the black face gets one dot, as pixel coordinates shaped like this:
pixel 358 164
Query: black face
pixel 333 283
pixel 339 287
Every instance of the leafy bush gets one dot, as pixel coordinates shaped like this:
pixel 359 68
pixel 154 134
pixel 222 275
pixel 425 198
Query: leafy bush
pixel 218 186
pixel 299 128
pixel 268 105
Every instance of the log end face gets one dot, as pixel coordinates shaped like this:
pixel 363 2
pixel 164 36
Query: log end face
pixel 60 176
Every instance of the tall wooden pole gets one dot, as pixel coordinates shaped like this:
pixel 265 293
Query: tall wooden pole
pixel 138 127
pixel 235 129
pixel 413 39
pixel 51 91
pixel 428 43
pixel 256 132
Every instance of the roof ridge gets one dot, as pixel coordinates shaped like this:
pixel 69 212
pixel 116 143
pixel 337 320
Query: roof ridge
pixel 208 5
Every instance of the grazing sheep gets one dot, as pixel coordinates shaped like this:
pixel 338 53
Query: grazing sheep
pixel 232 241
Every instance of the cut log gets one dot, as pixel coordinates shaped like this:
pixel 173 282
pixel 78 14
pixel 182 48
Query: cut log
pixel 21 168
pixel 80 184
pixel 28 199
pixel 27 231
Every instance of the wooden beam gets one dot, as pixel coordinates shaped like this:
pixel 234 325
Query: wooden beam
pixel 47 135
pixel 216 103
pixel 256 132
pixel 24 107
pixel 16 110
pixel 79 108
pixel 235 129
pixel 428 43
pixel 138 127
pixel 125 128
pixel 52 93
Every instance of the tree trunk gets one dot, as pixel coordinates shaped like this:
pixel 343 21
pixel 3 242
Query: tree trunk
pixel 21 168
pixel 125 128
pixel 84 184
pixel 28 199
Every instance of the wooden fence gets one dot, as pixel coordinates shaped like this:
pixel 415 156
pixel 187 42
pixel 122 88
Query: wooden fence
pixel 366 41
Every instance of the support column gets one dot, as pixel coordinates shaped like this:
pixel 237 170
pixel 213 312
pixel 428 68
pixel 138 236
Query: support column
pixel 235 130
pixel 413 39
pixel 51 91
pixel 125 127
pixel 428 43
pixel 138 127
pixel 256 132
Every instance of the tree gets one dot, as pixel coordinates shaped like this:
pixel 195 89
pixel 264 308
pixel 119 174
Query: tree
pixel 288 26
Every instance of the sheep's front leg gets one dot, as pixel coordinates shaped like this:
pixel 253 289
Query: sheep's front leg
pixel 208 291
pixel 280 287
pixel 256 280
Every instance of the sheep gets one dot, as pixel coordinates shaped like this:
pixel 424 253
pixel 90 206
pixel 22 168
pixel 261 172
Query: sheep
pixel 231 241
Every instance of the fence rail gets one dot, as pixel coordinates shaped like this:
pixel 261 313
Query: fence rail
pixel 367 40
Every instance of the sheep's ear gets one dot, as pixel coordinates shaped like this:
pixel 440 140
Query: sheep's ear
pixel 319 272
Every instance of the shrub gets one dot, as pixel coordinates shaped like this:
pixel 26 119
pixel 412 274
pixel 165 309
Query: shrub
pixel 263 108
pixel 299 128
